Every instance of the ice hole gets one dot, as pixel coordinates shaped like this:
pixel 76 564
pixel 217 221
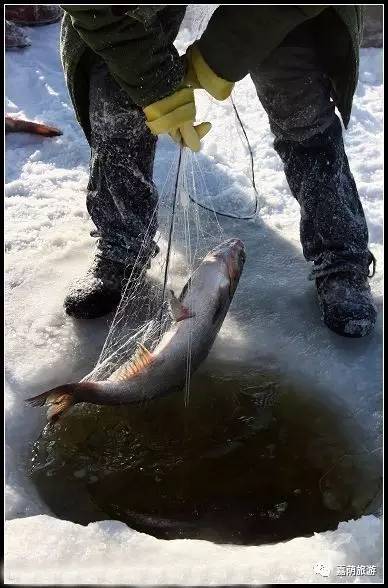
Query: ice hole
pixel 249 460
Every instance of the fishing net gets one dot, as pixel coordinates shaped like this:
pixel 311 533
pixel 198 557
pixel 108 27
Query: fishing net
pixel 196 192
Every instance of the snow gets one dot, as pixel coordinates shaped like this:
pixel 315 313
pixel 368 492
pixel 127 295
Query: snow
pixel 108 552
pixel 275 325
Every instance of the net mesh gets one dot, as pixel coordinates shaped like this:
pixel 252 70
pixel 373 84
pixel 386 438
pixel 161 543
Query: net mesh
pixel 195 191
pixel 189 232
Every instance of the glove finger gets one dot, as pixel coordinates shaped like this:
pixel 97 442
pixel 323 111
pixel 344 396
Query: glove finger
pixel 190 136
pixel 172 120
pixel 203 129
pixel 176 136
pixel 161 108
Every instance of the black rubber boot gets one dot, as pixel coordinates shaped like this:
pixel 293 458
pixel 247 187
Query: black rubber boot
pixel 98 292
pixel 346 302
pixel 33 15
pixel 15 37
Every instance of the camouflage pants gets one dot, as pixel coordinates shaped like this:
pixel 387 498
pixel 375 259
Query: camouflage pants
pixel 121 198
pixel 296 94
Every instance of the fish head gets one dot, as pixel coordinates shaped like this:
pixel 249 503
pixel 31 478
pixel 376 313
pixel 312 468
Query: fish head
pixel 230 256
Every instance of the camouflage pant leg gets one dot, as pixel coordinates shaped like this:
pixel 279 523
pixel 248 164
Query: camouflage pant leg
pixel 296 92
pixel 121 197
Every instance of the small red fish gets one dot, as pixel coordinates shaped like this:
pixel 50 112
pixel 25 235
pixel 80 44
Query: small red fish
pixel 17 125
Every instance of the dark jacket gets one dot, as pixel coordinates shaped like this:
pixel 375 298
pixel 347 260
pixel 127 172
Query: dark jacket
pixel 136 42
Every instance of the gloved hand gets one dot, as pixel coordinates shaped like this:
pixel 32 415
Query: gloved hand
pixel 175 115
pixel 200 75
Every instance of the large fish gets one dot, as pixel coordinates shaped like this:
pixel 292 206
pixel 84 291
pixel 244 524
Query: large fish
pixel 17 125
pixel 198 315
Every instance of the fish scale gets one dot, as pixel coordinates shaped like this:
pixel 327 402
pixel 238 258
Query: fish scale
pixel 146 376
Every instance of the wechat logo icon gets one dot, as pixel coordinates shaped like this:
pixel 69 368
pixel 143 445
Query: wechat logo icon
pixel 322 569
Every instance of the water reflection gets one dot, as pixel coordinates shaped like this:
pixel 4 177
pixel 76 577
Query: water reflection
pixel 230 466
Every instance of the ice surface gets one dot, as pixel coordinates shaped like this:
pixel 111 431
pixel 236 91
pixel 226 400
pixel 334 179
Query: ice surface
pixel 274 323
pixel 109 552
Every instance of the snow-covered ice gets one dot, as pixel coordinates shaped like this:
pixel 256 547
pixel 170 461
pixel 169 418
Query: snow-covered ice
pixel 47 242
pixel 110 553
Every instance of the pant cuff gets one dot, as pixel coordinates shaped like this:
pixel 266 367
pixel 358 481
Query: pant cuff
pixel 129 256
pixel 332 263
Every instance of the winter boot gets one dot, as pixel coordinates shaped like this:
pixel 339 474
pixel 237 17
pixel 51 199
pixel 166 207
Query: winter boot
pixel 15 37
pixel 98 292
pixel 346 302
pixel 33 14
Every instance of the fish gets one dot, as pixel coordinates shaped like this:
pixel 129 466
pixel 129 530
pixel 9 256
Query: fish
pixel 17 125
pixel 197 314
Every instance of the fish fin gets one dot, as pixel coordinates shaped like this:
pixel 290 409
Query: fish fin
pixel 178 310
pixel 141 359
pixel 185 289
pixel 58 400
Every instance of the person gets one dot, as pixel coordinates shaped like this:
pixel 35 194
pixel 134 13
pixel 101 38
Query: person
pixel 128 84
pixel 27 15
pixel 32 14
pixel 15 37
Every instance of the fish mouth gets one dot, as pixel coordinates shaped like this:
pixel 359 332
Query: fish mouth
pixel 232 253
pixel 229 247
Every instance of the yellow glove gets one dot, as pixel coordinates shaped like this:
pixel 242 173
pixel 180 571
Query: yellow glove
pixel 175 115
pixel 200 75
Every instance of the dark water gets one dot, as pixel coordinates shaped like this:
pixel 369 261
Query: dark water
pixel 219 467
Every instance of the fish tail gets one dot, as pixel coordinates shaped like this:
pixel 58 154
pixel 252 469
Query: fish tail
pixel 15 125
pixel 58 400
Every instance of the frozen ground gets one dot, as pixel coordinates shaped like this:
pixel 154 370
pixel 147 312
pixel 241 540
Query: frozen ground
pixel 275 323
